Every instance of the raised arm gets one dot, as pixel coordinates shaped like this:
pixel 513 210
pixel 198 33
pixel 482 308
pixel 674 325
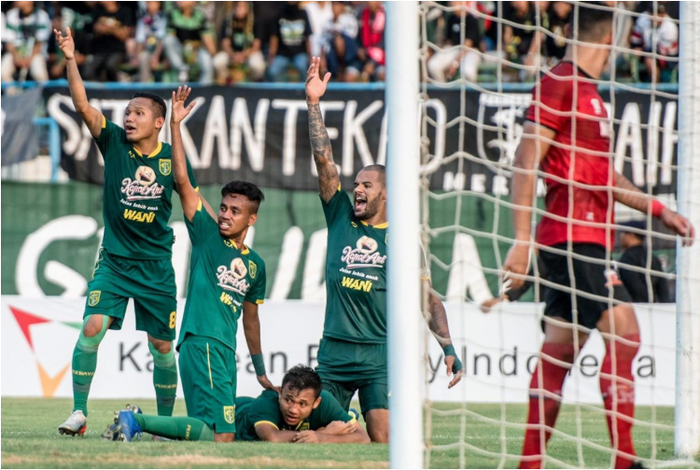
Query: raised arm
pixel 532 149
pixel 188 195
pixel 91 116
pixel 628 194
pixel 251 329
pixel 328 179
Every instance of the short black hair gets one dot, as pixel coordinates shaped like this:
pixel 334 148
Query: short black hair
pixel 244 188
pixel 381 169
pixel 157 100
pixel 301 377
pixel 595 20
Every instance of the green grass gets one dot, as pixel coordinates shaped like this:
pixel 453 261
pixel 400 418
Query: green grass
pixel 30 440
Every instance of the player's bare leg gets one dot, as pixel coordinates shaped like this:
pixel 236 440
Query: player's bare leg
pixel 224 437
pixel 556 357
pixel 378 425
pixel 620 330
pixel 84 365
pixel 164 374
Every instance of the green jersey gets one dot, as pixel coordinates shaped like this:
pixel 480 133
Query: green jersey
pixel 355 275
pixel 137 196
pixel 222 277
pixel 266 409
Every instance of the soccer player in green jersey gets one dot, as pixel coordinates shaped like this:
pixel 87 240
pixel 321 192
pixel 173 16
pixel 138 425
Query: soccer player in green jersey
pixel 300 413
pixel 135 258
pixel 352 355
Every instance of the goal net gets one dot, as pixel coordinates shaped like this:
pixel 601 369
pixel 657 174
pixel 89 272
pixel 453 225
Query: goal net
pixel 475 93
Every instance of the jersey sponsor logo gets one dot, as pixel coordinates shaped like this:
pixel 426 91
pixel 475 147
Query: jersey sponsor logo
pixel 137 216
pixel 356 284
pixel 233 279
pixel 94 298
pixel 165 166
pixel 143 186
pixel 252 269
pixel 365 255
pixel 230 414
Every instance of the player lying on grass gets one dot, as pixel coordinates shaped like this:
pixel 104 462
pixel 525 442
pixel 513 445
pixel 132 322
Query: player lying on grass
pixel 135 257
pixel 301 413
pixel 352 355
pixel 227 281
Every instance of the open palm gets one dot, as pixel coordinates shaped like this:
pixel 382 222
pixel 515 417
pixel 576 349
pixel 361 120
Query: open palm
pixel 179 110
pixel 315 87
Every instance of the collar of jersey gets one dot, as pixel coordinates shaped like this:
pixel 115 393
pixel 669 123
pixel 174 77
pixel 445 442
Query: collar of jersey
pixel 245 249
pixel 154 153
pixel 383 225
pixel 579 69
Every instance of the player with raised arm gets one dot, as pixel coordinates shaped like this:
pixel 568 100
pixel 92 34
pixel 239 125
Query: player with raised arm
pixel 135 258
pixel 567 133
pixel 300 413
pixel 352 355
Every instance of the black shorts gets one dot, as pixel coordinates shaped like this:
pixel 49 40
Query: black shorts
pixel 591 278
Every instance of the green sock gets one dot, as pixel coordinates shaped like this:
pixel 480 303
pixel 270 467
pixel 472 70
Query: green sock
pixel 164 380
pixel 84 364
pixel 175 427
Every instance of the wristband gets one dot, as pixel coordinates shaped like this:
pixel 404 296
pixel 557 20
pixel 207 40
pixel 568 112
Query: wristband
pixel 657 208
pixel 449 350
pixel 258 364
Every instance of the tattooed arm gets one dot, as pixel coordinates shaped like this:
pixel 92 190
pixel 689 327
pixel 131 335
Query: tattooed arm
pixel 328 178
pixel 437 322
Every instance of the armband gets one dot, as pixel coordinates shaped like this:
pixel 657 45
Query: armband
pixel 258 364
pixel 449 350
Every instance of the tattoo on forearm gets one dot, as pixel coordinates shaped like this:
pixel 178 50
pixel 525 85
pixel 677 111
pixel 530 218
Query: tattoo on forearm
pixel 628 194
pixel 323 153
pixel 438 319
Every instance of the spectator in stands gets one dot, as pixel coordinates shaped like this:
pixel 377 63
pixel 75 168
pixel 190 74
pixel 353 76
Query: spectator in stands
pixel 371 42
pixel 27 30
pixel 190 40
pixel 319 14
pixel 458 54
pixel 239 47
pixel 555 42
pixel 289 43
pixel 340 44
pixel 656 33
pixel 112 26
pixel 151 30
pixel 636 254
pixel 522 43
pixel 80 22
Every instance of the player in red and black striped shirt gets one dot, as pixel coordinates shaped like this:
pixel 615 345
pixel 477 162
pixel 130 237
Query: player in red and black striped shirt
pixel 567 133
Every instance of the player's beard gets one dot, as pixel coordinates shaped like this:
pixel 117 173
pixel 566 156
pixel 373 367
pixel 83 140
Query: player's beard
pixel 371 209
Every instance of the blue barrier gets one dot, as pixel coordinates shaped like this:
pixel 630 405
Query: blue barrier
pixel 54 143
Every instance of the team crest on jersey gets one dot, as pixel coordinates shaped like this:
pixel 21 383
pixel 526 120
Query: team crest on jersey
pixel 143 186
pixel 364 255
pixel 233 278
pixel 252 269
pixel 94 298
pixel 165 166
pixel 230 414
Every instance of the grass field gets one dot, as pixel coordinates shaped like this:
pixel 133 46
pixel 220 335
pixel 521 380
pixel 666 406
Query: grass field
pixel 30 440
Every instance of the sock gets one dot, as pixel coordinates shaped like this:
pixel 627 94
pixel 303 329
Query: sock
pixel 618 396
pixel 85 363
pixel 175 427
pixel 553 376
pixel 164 380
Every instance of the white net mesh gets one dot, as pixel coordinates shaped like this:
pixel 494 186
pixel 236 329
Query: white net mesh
pixel 476 91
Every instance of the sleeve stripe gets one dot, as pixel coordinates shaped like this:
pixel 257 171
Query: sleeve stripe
pixel 259 301
pixel 266 422
pixel 104 122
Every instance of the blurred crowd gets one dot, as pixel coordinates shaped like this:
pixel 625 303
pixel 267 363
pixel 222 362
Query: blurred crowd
pixel 230 42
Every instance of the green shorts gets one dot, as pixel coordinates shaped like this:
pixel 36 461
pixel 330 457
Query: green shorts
pixel 151 283
pixel 208 377
pixel 347 367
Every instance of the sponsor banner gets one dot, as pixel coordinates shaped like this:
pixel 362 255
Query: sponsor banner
pixel 499 351
pixel 20 140
pixel 261 135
